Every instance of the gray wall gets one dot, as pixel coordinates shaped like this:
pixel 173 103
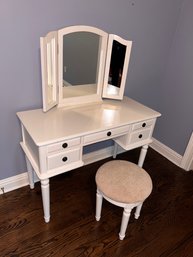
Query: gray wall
pixel 151 24
pixel 176 92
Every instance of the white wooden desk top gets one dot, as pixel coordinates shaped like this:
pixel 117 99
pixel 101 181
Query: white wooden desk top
pixel 63 123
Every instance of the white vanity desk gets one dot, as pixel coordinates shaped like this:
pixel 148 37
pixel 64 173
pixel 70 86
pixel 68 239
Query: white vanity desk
pixel 81 66
pixel 53 142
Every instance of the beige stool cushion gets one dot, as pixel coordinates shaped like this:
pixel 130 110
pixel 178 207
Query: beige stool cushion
pixel 123 181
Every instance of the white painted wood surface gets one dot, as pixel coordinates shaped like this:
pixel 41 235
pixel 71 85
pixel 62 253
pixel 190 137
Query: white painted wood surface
pixel 111 91
pixel 53 142
pixel 49 68
pixel 187 160
pixel 88 97
pixel 126 212
pixel 66 123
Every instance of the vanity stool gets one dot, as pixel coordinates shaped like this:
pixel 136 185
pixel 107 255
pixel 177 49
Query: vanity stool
pixel 124 184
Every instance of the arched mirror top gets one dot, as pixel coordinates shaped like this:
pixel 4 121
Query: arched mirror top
pixel 77 66
pixel 78 28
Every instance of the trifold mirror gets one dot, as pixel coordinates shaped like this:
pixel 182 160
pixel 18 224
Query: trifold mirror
pixel 82 64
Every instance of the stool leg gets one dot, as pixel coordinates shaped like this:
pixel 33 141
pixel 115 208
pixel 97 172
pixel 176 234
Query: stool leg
pixel 124 223
pixel 138 210
pixel 99 201
pixel 115 150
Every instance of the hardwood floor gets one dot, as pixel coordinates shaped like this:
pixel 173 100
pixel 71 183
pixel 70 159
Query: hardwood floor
pixel 164 229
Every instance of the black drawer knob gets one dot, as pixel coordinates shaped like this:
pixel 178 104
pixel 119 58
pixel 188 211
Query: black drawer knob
pixel 109 133
pixel 65 145
pixel 64 159
pixel 143 125
pixel 140 136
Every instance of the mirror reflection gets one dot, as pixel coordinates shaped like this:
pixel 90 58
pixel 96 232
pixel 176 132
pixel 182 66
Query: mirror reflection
pixel 80 63
pixel 116 67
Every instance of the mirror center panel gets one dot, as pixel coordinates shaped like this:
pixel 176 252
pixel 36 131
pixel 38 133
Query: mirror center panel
pixel 82 64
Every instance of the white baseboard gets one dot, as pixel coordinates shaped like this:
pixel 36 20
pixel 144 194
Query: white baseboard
pixel 15 182
pixel 12 183
pixel 167 152
pixel 21 180
pixel 187 160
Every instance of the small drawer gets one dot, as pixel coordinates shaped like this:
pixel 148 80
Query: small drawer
pixel 106 134
pixel 63 145
pixel 143 124
pixel 140 136
pixel 63 158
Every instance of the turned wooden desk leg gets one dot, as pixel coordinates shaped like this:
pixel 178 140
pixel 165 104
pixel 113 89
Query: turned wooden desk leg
pixel 115 150
pixel 46 199
pixel 142 155
pixel 30 173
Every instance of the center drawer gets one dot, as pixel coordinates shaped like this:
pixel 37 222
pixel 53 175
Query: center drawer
pixel 63 158
pixel 105 134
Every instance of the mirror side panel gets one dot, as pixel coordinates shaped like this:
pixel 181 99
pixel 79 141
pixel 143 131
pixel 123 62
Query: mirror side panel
pixel 117 62
pixel 49 68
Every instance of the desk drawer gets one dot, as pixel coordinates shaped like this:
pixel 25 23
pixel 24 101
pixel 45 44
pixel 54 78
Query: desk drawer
pixel 63 145
pixel 63 158
pixel 135 139
pixel 143 124
pixel 106 134
pixel 140 136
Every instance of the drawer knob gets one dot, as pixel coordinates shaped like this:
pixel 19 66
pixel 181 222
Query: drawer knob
pixel 64 159
pixel 109 133
pixel 143 125
pixel 140 136
pixel 65 145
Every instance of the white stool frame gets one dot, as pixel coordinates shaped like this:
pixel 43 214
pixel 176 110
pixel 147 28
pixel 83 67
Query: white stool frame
pixel 126 213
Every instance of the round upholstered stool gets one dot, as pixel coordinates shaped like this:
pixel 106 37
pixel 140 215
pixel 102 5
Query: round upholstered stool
pixel 124 184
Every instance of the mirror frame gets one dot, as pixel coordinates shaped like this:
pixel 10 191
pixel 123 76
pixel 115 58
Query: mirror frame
pixel 101 63
pixel 49 69
pixel 128 45
pixel 51 47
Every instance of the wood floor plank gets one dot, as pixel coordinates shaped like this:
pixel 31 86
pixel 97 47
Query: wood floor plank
pixel 164 229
